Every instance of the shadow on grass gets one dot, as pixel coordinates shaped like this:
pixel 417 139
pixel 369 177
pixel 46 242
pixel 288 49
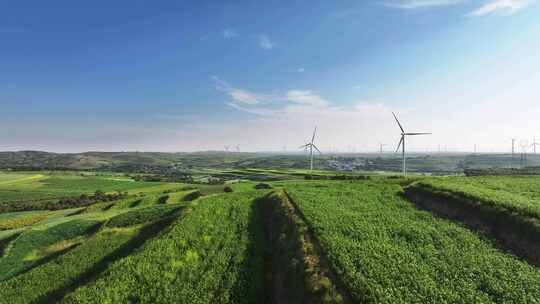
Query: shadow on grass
pixel 5 242
pixel 90 231
pixel 135 203
pixel 146 233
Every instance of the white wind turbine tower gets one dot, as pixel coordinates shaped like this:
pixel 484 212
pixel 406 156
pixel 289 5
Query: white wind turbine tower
pixel 311 146
pixel 534 144
pixel 402 142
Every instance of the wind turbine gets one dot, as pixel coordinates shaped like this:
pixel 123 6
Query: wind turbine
pixel 402 143
pixel 534 144
pixel 311 146
pixel 381 146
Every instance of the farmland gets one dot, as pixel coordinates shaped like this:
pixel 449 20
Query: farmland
pixel 389 252
pixel 334 238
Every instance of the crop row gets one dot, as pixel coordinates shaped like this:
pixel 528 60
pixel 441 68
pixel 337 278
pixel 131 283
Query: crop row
pixel 213 254
pixel 387 251
pixel 144 215
pixel 22 219
pixel 519 195
pixel 20 253
pixel 40 283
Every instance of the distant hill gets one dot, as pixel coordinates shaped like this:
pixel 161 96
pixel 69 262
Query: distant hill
pixel 441 163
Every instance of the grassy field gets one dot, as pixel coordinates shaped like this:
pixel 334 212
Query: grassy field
pixel 55 185
pixel 348 241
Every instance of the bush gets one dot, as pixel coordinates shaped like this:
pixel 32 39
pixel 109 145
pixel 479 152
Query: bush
pixel 163 199
pixel 227 189
pixel 262 186
pixel 192 196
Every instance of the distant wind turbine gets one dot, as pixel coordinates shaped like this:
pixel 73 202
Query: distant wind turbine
pixel 534 144
pixel 381 146
pixel 311 146
pixel 402 142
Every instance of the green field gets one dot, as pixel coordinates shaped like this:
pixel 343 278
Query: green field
pixel 357 240
pixel 55 185
pixel 388 252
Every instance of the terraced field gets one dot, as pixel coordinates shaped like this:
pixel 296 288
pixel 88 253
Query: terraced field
pixel 387 251
pixel 519 195
pixel 292 241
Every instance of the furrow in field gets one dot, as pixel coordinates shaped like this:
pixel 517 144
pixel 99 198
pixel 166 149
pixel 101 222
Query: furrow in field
pixel 296 269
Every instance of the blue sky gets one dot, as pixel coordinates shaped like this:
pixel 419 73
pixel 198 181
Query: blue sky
pixel 199 75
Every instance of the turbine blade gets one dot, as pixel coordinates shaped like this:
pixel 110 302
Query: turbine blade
pixel 399 145
pixel 417 134
pixel 403 131
pixel 317 149
pixel 314 131
pixel 304 146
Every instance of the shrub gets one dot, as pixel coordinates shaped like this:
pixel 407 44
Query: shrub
pixel 262 186
pixel 227 189
pixel 163 199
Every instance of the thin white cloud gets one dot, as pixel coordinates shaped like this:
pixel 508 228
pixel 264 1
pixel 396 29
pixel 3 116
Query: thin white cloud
pixel 238 95
pixel 246 97
pixel 501 6
pixel 243 96
pixel 260 111
pixel 229 33
pixel 265 42
pixel 413 4
pixel 300 70
pixel 306 97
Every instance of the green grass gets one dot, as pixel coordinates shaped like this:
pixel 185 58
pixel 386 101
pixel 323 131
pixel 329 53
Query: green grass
pixel 212 255
pixel 67 270
pixel 55 185
pixel 23 252
pixel 387 251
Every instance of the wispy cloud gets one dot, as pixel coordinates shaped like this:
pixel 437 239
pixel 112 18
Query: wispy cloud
pixel 229 33
pixel 265 42
pixel 413 4
pixel 238 95
pixel 300 70
pixel 242 97
pixel 306 97
pixel 501 6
